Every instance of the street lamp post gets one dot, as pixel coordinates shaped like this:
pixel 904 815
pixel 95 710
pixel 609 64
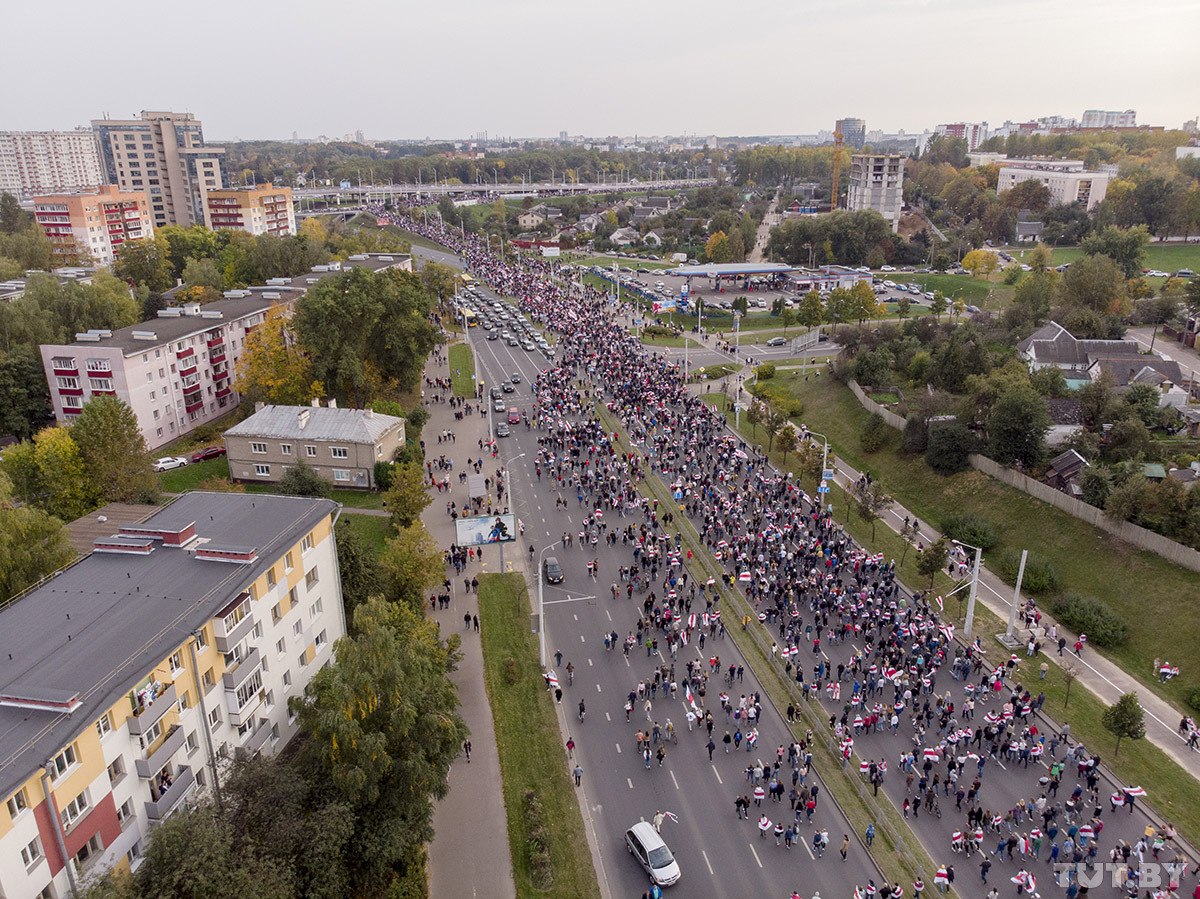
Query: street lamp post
pixel 542 602
pixel 969 624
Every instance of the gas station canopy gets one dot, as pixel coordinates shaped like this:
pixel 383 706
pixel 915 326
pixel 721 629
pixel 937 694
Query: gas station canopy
pixel 731 269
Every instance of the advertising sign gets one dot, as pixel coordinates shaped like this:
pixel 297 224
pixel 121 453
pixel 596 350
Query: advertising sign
pixel 486 529
pixel 684 289
pixel 664 305
pixel 551 251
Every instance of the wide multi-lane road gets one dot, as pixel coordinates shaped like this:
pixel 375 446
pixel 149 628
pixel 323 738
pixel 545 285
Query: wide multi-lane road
pixel 719 854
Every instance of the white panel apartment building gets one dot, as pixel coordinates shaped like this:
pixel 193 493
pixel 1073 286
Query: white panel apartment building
pixel 130 679
pixel 176 371
pixel 1066 179
pixel 48 162
pixel 877 182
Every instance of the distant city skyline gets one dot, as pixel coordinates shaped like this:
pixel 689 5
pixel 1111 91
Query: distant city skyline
pixel 532 69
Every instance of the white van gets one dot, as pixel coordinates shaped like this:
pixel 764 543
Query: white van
pixel 644 844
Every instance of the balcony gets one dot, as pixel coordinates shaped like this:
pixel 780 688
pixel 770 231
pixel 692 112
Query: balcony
pixel 237 676
pixel 185 782
pixel 150 715
pixel 226 640
pixel 258 739
pixel 157 760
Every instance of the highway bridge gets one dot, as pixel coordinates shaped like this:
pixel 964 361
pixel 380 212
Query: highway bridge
pixel 380 193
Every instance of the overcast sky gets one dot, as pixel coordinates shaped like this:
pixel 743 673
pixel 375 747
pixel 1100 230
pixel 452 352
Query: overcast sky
pixel 406 69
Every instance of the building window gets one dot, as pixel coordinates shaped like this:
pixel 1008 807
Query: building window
pixel 68 383
pixel 176 661
pixel 297 628
pixel 341 474
pixel 259 448
pixel 310 451
pixel 75 809
pixel 236 615
pixel 63 762
pixel 126 813
pixel 315 609
pixel 17 803
pixel 311 579
pixel 116 771
pixel 303 659
pixel 263 471
pixel 276 614
pixel 339 452
pixel 191 743
pixel 248 690
pixel 287 561
pixel 293 599
pixel 149 736
pixel 214 718
pixel 271 579
pixel 201 639
pixel 104 725
pixel 32 854
pixel 281 645
pixel 208 679
pixel 285 448
pixel 321 640
pixel 287 678
pixel 93 846
pixel 307 543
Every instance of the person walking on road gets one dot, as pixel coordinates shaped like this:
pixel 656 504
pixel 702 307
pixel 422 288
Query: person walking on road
pixel 845 849
pixel 870 834
pixel 570 747
pixel 577 771
pixel 659 817
pixel 467 750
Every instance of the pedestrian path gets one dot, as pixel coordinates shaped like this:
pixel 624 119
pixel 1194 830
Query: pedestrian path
pixel 469 855
pixel 1100 676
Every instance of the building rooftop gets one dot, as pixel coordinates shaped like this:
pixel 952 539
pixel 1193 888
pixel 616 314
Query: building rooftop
pixel 316 423
pixel 732 268
pixel 72 647
pixel 106 521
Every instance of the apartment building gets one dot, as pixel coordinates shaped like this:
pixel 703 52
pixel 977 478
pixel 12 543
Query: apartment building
pixel 341 445
pixel 853 131
pixel 129 679
pixel 163 155
pixel 48 162
pixel 1066 179
pixel 257 210
pixel 877 182
pixel 1109 118
pixel 93 222
pixel 974 133
pixel 176 370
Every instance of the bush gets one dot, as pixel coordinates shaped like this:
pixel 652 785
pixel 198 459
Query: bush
pixel 414 421
pixel 383 475
pixel 874 433
pixel 540 866
pixel 1193 700
pixel 766 371
pixel 1012 274
pixel 658 331
pixel 1087 615
pixel 1041 578
pixel 949 444
pixel 916 435
pixel 970 528
pixel 410 452
pixel 302 480
pixel 512 672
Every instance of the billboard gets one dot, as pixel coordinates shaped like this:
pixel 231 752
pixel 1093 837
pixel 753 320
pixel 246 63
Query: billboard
pixel 664 305
pixel 550 251
pixel 486 529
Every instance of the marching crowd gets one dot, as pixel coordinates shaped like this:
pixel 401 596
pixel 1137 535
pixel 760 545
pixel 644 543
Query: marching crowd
pixel 883 661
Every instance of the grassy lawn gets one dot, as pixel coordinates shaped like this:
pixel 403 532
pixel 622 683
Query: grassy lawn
pixel 1164 257
pixel 462 369
pixel 416 239
pixel 373 530
pixel 972 290
pixel 1087 560
pixel 1174 793
pixel 676 342
pixel 529 743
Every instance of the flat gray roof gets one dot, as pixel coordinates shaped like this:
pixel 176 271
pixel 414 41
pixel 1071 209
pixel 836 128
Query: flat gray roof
pixel 732 268
pixel 98 627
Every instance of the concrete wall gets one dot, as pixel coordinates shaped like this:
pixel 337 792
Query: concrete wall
pixel 1130 533
pixel 896 421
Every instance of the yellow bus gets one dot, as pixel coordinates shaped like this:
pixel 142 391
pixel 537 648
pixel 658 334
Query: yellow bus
pixel 470 318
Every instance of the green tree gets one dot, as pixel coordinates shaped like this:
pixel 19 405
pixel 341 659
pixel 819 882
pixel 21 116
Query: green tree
pixel 50 474
pixel 412 564
pixel 932 559
pixel 1095 283
pixel 361 574
pixel 407 498
pixel 1125 719
pixel 787 318
pixel 755 415
pixel 947 446
pixel 872 502
pixel 1158 312
pixel 786 442
pixel 1125 247
pixel 145 263
pixel 302 479
pixel 439 280
pixel 938 305
pixel 811 311
pixel 272 368
pixel 903 307
pixel 12 217
pixel 114 451
pixel 32 544
pixel 203 273
pixel 382 722
pixel 742 305
pixel 773 422
pixel 863 304
pixel 24 396
pixel 1035 295
pixel 1017 427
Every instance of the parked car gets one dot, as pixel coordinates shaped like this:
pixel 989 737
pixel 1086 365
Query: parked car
pixel 887 268
pixel 777 341
pixel 166 463
pixel 209 452
pixel 553 571
pixel 645 844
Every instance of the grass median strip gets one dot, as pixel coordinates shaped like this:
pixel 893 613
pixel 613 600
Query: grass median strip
pixel 545 834
pixel 462 369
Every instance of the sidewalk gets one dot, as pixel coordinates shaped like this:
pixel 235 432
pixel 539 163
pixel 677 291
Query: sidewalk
pixel 469 855
pixel 1100 676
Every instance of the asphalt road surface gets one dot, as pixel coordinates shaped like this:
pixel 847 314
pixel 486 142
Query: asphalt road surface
pixel 719 854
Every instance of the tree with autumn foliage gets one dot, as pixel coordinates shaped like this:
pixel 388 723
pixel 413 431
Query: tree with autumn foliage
pixel 273 367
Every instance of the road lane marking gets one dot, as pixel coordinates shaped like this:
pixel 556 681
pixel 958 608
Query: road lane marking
pixel 707 863
pixel 618 748
pixel 756 858
pixel 609 614
pixel 673 780
pixel 581 639
pixel 630 782
pixel 607 717
pixel 718 773
pixel 589 663
pixel 599 689
pixel 805 844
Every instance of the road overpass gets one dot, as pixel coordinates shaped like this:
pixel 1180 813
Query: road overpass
pixel 379 193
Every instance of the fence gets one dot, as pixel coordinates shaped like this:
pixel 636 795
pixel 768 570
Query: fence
pixel 870 405
pixel 1137 535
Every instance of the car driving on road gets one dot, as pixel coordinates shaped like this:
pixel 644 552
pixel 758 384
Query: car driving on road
pixel 652 853
pixel 553 571
pixel 777 341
